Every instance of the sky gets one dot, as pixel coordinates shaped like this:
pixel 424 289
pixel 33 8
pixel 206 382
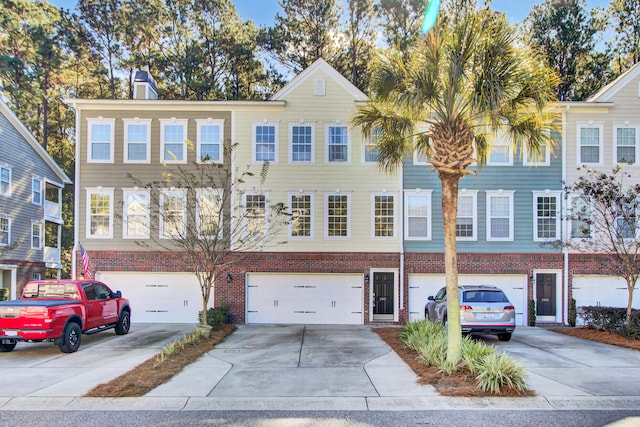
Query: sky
pixel 262 12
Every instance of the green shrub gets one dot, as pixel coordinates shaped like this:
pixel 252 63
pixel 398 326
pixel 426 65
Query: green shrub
pixel 4 294
pixel 532 313
pixel 499 370
pixel 414 334
pixel 434 351
pixel 215 317
pixel 473 352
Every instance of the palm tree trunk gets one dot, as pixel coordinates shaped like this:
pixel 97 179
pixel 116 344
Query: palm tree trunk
pixel 449 216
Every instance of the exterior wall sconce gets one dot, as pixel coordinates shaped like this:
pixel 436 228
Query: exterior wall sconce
pixel 366 277
pixel 229 278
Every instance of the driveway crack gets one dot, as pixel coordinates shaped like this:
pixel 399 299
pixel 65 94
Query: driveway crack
pixel 304 329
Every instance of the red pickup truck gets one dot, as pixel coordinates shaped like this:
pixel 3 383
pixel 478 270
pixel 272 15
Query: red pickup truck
pixel 61 311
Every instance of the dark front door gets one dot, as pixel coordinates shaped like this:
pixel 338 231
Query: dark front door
pixel 383 293
pixel 545 294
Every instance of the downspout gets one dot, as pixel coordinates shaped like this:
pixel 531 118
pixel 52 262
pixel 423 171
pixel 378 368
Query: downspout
pixel 401 236
pixel 565 250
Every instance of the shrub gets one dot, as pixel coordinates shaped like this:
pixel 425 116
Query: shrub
pixel 414 334
pixel 473 352
pixel 573 313
pixel 498 370
pixel 215 317
pixel 532 312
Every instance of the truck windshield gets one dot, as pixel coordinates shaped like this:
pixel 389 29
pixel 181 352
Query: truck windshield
pixel 51 290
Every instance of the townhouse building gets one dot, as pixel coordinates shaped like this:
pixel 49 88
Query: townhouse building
pixel 31 221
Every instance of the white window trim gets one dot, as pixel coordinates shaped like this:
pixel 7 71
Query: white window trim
pixel 209 122
pixel 570 220
pixel 501 193
pixel 40 228
pixel 125 193
pixel 8 218
pixel 34 180
pixel 526 161
pixel 373 216
pixel 417 161
pixel 265 231
pixel 617 126
pixel 313 143
pixel 428 195
pixel 326 216
pixel 219 192
pixel 10 169
pixel 337 123
pixel 185 125
pixel 104 191
pixel 311 214
pixel 546 193
pixel 501 136
pixel 474 195
pixel 600 128
pixel 368 142
pixel 180 193
pixel 136 121
pixel 101 121
pixel 276 137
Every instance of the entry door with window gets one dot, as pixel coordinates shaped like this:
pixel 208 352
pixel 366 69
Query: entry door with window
pixel 383 300
pixel 546 295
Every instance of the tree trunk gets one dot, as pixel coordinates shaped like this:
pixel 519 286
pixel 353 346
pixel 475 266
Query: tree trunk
pixel 630 287
pixel 449 216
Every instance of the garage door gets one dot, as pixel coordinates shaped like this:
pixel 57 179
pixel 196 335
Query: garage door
pixel 335 299
pixel 158 297
pixel 606 291
pixel 421 286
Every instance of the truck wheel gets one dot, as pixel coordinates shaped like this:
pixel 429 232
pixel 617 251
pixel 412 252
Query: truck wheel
pixel 124 322
pixel 7 346
pixel 71 338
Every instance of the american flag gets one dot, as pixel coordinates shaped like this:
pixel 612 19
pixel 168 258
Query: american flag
pixel 85 261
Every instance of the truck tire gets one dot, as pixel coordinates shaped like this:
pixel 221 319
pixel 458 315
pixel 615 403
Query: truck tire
pixel 124 323
pixel 7 346
pixel 71 338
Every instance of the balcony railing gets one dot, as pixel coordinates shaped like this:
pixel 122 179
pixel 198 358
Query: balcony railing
pixel 52 211
pixel 51 256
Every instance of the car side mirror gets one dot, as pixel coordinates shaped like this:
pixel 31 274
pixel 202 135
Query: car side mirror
pixel 431 298
pixel 117 294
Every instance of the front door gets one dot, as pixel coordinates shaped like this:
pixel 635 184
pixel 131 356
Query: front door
pixel 383 301
pixel 545 294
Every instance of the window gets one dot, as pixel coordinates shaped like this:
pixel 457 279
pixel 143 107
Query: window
pixel 265 143
pixel 546 216
pixel 137 143
pixel 581 216
pixel 301 224
pixel 499 215
pixel 100 213
pixel 337 218
pixel 467 219
pixel 135 214
pixel 36 235
pixel 626 139
pixel 36 190
pixel 590 144
pixel 383 216
pixel 173 136
pixel 418 215
pixel 5 229
pixel 371 150
pixel 208 213
pixel 37 276
pixel 501 153
pixel 100 140
pixel 210 143
pixel 627 221
pixel 337 144
pixel 420 158
pixel 543 158
pixel 172 213
pixel 255 215
pixel 302 137
pixel 5 181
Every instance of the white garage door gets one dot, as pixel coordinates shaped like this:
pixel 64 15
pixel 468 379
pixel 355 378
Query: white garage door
pixel 606 291
pixel 421 286
pixel 335 299
pixel 157 297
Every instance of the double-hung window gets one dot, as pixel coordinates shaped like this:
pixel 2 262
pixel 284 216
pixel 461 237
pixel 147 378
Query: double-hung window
pixel 546 226
pixel 265 142
pixel 5 229
pixel 500 219
pixel 255 215
pixel 590 138
pixel 337 144
pixel 627 226
pixel 501 153
pixel 210 140
pixel 5 180
pixel 371 150
pixel 36 190
pixel 581 216
pixel 36 235
pixel 100 140
pixel 173 140
pixel 418 215
pixel 137 140
pixel 467 219
pixel 136 214
pixel 99 213
pixel 337 216
pixel 302 143
pixel 173 213
pixel 626 144
pixel 384 216
pixel 541 158
pixel 209 213
pixel 301 224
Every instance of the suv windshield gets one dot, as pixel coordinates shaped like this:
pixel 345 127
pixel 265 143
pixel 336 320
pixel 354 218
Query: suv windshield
pixel 484 296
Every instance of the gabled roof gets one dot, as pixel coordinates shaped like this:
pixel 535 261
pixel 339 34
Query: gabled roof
pixel 320 65
pixel 607 92
pixel 31 140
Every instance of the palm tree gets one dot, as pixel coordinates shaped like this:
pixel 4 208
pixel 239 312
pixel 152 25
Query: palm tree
pixel 466 79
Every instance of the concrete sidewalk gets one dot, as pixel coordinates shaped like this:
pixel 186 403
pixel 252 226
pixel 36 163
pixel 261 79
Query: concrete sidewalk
pixel 343 368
